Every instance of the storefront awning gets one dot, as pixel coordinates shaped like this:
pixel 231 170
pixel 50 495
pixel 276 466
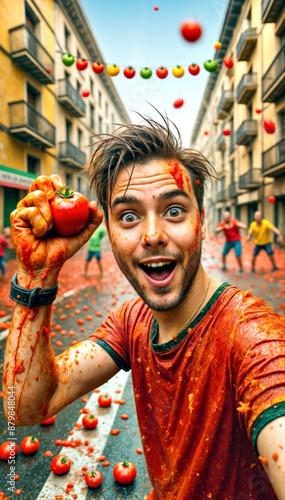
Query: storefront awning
pixel 11 177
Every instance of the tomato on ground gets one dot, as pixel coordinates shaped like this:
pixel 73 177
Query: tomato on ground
pixel 29 445
pixel 8 449
pixel 105 400
pixel 60 464
pixel 49 421
pixel 94 478
pixel 70 211
pixel 124 472
pixel 90 421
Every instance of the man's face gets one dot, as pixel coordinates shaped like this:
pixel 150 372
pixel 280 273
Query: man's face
pixel 257 217
pixel 227 216
pixel 156 232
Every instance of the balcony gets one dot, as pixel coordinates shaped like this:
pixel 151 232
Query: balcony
pixel 270 10
pixel 246 88
pixel 247 132
pixel 221 195
pixel 246 44
pixel 225 104
pixel 273 160
pixel 27 51
pixel 273 82
pixel 71 155
pixel 30 126
pixel 250 180
pixel 233 190
pixel 221 143
pixel 70 99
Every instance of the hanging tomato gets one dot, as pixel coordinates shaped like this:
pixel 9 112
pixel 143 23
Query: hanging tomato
pixel 206 132
pixel 145 73
pixel 226 131
pixel 269 126
pixel 162 72
pixel 81 64
pixel 85 93
pixel 191 30
pixel 194 69
pixel 178 71
pixel 113 70
pixel 271 199
pixel 129 72
pixel 211 66
pixel 228 62
pixel 67 59
pixel 98 67
pixel 178 103
pixel 217 45
pixel 258 110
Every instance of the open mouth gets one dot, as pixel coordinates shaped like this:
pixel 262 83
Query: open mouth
pixel 161 272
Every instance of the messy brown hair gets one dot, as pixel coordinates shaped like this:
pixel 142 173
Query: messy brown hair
pixel 132 144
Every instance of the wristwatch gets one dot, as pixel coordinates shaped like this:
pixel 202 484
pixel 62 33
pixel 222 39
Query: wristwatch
pixel 32 298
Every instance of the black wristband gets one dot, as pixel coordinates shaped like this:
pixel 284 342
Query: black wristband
pixel 32 298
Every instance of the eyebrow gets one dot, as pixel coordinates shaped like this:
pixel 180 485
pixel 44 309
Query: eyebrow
pixel 132 200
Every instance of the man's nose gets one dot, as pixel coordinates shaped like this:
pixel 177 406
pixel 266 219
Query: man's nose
pixel 153 234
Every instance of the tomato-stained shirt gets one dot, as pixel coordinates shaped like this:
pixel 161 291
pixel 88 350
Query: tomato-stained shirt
pixel 231 233
pixel 203 397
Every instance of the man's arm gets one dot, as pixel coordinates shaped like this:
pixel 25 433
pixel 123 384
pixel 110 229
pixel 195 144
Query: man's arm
pixel 219 229
pixel 276 231
pixel 241 225
pixel 271 446
pixel 248 238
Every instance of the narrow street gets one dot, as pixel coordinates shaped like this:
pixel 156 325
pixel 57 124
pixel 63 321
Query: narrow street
pixel 78 311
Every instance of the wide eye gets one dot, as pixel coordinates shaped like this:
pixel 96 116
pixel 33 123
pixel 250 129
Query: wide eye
pixel 128 217
pixel 174 212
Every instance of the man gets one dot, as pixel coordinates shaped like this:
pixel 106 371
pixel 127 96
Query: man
pixel 94 249
pixel 5 242
pixel 260 229
pixel 231 230
pixel 207 360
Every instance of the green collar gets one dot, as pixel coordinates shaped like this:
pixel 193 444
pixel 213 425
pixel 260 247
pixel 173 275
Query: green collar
pixel 167 346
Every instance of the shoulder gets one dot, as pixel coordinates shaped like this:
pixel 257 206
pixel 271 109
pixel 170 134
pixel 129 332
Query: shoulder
pixel 131 311
pixel 267 223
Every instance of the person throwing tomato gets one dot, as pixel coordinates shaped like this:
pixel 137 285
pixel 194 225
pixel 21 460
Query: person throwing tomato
pixel 233 239
pixel 207 359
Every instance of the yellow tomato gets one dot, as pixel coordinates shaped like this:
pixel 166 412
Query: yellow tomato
pixel 217 45
pixel 178 71
pixel 113 70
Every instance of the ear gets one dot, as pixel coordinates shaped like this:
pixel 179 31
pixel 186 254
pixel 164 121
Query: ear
pixel 203 225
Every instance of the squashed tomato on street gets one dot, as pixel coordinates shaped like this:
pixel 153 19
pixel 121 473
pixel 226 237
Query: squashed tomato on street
pixel 90 421
pixel 105 400
pixel 124 472
pixel 70 211
pixel 30 445
pixel 8 450
pixel 60 464
pixel 49 421
pixel 94 478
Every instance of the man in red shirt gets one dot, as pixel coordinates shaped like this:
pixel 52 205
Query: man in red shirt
pixel 207 359
pixel 231 229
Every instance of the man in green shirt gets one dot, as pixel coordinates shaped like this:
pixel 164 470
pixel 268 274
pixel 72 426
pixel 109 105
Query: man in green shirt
pixel 94 249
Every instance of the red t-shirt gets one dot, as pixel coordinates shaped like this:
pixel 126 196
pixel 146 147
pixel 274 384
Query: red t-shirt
pixel 3 245
pixel 232 234
pixel 187 391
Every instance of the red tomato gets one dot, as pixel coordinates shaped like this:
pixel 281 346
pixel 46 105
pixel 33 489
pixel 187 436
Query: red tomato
pixel 194 69
pixel 98 67
pixel 271 199
pixel 269 126
pixel 156 7
pixel 29 445
pixel 93 478
pixel 85 93
pixel 49 421
pixel 226 131
pixel 70 212
pixel 9 449
pixel 177 104
pixel 191 30
pixel 206 132
pixel 124 472
pixel 105 400
pixel 258 110
pixel 162 72
pixel 81 64
pixel 60 464
pixel 129 72
pixel 228 62
pixel 90 421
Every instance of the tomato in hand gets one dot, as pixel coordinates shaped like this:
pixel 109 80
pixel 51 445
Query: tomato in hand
pixel 90 421
pixel 49 421
pixel 60 464
pixel 124 472
pixel 105 400
pixel 30 445
pixel 8 450
pixel 70 211
pixel 94 478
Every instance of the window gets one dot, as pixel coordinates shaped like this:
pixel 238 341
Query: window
pixel 33 165
pixel 100 98
pixel 107 129
pixel 34 97
pixel 66 38
pixel 32 20
pixel 232 167
pixel 249 111
pixel 79 137
pixel 79 184
pixel 68 178
pixel 68 126
pixel 100 125
pixel 92 109
pixel 106 109
pixel 91 87
pixel 250 159
pixel 66 76
pixel 78 86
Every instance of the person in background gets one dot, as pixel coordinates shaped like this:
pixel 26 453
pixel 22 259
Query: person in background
pixel 5 242
pixel 94 249
pixel 260 229
pixel 231 229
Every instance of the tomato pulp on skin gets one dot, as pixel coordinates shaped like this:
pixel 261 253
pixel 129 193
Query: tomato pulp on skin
pixel 70 215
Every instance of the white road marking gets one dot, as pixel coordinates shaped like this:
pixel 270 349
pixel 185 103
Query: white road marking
pixel 56 485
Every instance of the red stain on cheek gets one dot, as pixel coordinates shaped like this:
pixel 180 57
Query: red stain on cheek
pixel 176 171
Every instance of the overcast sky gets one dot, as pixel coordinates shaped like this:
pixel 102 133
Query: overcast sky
pixel 132 33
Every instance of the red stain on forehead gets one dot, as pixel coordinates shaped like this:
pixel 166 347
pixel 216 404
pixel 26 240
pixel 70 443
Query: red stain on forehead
pixel 176 171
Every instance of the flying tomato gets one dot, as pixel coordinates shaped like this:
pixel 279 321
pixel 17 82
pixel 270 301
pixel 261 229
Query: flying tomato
pixel 191 30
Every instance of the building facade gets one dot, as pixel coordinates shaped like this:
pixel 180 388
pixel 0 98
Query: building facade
pixel 250 163
pixel 46 126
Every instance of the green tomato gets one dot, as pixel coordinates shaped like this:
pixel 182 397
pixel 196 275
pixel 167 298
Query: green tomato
pixel 146 73
pixel 67 59
pixel 211 66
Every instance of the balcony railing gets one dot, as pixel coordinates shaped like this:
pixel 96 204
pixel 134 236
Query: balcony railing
pixel 247 132
pixel 221 143
pixel 246 87
pixel 30 126
pixel 27 51
pixel 273 82
pixel 271 10
pixel 246 44
pixel 251 179
pixel 70 99
pixel 273 160
pixel 225 103
pixel 221 195
pixel 233 189
pixel 71 155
